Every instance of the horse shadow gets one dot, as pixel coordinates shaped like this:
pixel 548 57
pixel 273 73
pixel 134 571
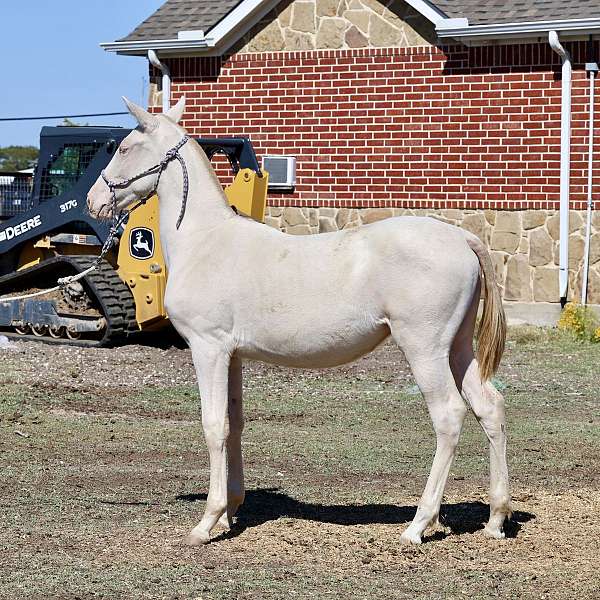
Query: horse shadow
pixel 269 504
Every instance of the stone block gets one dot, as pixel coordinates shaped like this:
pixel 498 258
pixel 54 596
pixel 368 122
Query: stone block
pixel 352 224
pixel 359 18
pixel 508 221
pixel 355 39
pixel 523 245
pixel 595 248
pixel 328 212
pixel 518 279
pixel 374 5
pixel 576 247
pixel 303 17
pixel 594 286
pixel 313 217
pixel 273 222
pixel 331 32
pixel 299 230
pixel 499 261
pixel 453 214
pixel 268 39
pixel 382 34
pixel 346 215
pixel 553 226
pixel 327 8
pixel 575 220
pixel 505 241
pixel 533 218
pixel 540 247
pixel 285 16
pixel 327 224
pixel 294 40
pixel 274 211
pixel 294 216
pixel 475 223
pixel 376 214
pixel 545 284
pixel 490 216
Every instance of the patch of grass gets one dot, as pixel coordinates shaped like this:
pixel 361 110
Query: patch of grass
pixel 94 502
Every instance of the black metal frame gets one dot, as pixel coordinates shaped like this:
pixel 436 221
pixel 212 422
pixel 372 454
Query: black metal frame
pixel 76 219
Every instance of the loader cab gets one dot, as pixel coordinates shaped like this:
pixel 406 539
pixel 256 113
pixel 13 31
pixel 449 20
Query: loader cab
pixel 71 159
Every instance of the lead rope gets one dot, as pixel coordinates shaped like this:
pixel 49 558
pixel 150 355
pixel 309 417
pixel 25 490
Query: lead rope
pixel 119 218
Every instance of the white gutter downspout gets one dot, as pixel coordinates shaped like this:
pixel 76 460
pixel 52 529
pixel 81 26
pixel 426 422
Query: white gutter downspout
pixel 592 69
pixel 166 79
pixel 565 165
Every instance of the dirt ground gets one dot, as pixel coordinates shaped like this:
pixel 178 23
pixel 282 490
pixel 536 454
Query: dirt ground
pixel 103 470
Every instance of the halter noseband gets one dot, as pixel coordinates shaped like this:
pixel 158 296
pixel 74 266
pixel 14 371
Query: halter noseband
pixel 158 169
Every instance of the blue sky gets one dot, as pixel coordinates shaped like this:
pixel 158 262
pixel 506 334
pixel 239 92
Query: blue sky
pixel 52 63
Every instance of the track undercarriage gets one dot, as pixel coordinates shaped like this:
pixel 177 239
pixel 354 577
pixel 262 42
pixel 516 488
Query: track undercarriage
pixel 99 310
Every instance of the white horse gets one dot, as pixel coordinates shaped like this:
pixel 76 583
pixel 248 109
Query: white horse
pixel 238 289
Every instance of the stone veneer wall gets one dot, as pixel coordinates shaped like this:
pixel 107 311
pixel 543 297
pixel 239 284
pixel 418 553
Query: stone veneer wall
pixel 323 24
pixel 523 244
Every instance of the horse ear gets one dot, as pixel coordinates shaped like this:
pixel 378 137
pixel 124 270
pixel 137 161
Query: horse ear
pixel 146 121
pixel 176 112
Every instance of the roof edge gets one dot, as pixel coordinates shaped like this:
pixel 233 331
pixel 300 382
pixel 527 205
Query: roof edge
pixel 230 29
pixel 453 28
pixel 172 46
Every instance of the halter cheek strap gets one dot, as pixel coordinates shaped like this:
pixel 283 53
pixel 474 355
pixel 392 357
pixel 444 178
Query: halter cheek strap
pixel 170 155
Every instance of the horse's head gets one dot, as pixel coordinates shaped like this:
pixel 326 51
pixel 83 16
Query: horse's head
pixel 143 148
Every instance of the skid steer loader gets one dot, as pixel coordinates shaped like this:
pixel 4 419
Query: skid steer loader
pixel 55 236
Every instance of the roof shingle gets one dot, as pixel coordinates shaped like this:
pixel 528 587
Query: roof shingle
pixel 184 15
pixel 181 15
pixel 488 12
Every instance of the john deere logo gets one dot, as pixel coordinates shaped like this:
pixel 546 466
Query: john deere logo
pixel 141 243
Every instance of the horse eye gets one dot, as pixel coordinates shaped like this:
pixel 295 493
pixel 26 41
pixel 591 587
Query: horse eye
pixel 123 149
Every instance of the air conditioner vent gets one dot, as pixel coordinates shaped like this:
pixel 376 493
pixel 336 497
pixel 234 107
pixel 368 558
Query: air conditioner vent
pixel 282 172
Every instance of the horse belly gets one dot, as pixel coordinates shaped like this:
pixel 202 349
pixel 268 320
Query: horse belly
pixel 314 348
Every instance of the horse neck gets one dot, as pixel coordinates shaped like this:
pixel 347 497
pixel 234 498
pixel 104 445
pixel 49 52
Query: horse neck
pixel 206 208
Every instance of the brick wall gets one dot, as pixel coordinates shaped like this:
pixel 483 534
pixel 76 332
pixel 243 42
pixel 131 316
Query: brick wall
pixel 420 127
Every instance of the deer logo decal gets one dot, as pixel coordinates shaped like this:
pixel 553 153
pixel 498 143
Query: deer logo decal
pixel 141 243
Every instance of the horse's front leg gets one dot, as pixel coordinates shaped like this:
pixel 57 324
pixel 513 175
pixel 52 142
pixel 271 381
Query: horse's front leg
pixel 235 464
pixel 212 369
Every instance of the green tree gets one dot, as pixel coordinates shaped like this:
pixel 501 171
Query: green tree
pixel 17 158
pixel 68 123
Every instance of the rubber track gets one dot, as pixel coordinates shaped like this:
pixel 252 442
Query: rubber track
pixel 103 285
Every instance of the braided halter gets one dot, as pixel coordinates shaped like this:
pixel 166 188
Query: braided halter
pixel 170 155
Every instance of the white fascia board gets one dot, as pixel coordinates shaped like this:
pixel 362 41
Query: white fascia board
pixel 428 10
pixel 247 13
pixel 515 30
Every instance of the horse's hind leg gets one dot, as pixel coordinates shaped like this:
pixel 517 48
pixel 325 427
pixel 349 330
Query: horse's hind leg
pixel 447 410
pixel 488 406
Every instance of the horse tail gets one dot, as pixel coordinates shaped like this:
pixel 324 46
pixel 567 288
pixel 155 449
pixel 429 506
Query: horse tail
pixel 492 327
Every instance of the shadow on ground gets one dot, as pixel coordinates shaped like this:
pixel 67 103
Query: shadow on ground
pixel 270 504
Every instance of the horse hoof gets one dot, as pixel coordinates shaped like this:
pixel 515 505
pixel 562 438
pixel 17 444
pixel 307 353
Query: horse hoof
pixel 493 533
pixel 197 538
pixel 410 539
